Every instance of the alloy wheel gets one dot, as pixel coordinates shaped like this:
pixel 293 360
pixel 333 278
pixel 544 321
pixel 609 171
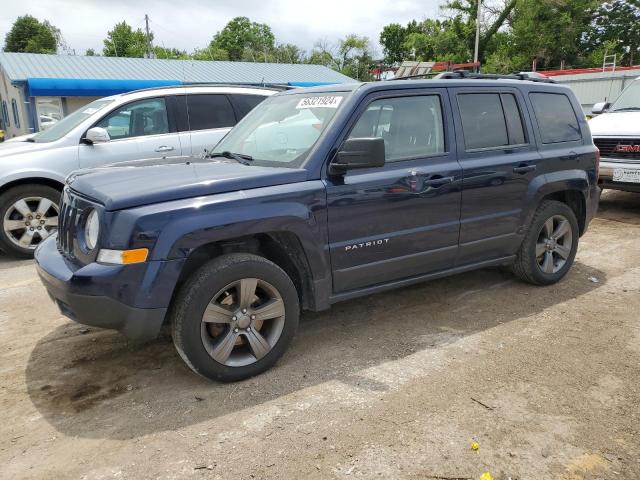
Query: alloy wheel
pixel 243 322
pixel 29 221
pixel 553 247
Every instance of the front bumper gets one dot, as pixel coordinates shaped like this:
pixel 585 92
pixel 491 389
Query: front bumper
pixel 132 299
pixel 607 169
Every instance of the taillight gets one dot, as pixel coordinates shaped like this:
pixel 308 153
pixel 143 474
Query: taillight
pixel 597 163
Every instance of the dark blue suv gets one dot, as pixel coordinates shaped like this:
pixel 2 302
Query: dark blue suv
pixel 321 195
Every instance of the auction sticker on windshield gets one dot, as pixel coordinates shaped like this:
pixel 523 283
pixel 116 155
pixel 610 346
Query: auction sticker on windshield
pixel 330 101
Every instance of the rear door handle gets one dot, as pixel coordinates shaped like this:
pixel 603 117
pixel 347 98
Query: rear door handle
pixel 164 148
pixel 436 182
pixel 522 169
pixel 572 156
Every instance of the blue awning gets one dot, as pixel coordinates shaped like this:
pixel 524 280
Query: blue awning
pixel 89 87
pixel 310 84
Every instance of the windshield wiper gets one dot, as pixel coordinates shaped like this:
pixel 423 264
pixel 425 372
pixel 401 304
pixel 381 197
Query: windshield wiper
pixel 238 157
pixel 626 109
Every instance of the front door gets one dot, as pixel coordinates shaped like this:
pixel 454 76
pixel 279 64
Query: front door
pixel 138 130
pixel 402 219
pixel 499 159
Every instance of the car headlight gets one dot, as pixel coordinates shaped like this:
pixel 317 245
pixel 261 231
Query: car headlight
pixel 91 230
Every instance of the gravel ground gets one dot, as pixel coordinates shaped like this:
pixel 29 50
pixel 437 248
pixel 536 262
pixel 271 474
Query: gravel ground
pixel 396 385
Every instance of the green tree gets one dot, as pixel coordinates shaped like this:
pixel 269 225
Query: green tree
pixel 30 35
pixel 170 53
pixel 90 52
pixel 393 38
pixel 288 53
pixel 243 39
pixel 210 53
pixel 123 41
pixel 616 29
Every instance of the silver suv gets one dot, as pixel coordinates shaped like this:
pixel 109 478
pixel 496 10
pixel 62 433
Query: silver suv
pixel 154 123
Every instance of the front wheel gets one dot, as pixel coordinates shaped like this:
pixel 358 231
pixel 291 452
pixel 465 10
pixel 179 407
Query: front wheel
pixel 29 214
pixel 235 317
pixel 549 247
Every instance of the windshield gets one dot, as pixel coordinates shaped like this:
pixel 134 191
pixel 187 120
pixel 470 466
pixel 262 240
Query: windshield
pixel 68 123
pixel 282 130
pixel 629 99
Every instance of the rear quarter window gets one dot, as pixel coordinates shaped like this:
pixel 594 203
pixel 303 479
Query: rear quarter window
pixel 556 118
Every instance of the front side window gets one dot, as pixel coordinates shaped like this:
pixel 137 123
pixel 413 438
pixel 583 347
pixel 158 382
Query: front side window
pixel 210 111
pixel 137 119
pixel 282 130
pixel 556 119
pixel 16 115
pixel 410 126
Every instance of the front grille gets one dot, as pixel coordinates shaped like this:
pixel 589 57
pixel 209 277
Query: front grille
pixel 622 148
pixel 67 220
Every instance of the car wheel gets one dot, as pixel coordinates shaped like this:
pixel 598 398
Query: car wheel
pixel 549 246
pixel 235 317
pixel 29 214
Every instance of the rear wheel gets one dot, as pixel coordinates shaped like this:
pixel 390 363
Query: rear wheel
pixel 235 317
pixel 29 214
pixel 549 247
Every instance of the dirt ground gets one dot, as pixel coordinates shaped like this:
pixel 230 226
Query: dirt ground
pixel 397 385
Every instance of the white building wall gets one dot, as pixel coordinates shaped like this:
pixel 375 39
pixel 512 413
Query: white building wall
pixel 8 93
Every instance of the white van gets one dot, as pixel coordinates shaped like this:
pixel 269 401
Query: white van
pixel 616 132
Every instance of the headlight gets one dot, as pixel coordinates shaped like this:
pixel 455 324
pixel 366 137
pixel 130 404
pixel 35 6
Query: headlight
pixel 91 230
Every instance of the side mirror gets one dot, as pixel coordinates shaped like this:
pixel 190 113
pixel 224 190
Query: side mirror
pixel 96 135
pixel 358 153
pixel 600 107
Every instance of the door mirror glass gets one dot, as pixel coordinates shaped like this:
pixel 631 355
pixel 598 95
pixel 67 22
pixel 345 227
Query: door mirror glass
pixel 96 135
pixel 599 108
pixel 358 153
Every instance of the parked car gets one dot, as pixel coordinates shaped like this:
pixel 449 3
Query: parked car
pixel 319 196
pixel 160 122
pixel 616 132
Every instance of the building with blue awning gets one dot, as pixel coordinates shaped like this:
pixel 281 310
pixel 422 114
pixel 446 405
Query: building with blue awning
pixel 37 90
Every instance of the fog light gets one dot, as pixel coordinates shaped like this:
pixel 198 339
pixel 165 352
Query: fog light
pixel 123 257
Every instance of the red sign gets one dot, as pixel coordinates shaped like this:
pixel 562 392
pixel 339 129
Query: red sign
pixel 628 148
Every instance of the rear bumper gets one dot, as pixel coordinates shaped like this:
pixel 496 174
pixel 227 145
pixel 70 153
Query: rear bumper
pixel 130 299
pixel 607 169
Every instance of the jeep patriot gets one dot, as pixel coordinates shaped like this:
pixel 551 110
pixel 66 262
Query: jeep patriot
pixel 321 195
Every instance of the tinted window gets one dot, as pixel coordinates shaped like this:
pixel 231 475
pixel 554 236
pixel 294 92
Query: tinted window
pixel 137 119
pixel 483 122
pixel 245 103
pixel 411 126
pixel 210 111
pixel 16 116
pixel 514 119
pixel 556 119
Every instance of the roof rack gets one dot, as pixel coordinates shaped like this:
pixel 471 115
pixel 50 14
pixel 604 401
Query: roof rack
pixel 463 74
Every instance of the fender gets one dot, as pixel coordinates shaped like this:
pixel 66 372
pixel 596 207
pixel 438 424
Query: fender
pixel 549 183
pixel 172 230
pixel 21 175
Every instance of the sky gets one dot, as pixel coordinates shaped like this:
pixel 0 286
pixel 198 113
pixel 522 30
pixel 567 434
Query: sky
pixel 189 24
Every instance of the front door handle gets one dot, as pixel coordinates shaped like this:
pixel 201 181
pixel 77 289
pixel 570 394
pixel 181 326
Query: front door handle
pixel 522 169
pixel 436 182
pixel 164 148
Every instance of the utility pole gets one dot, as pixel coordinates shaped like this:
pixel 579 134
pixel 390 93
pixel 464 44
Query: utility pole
pixel 477 46
pixel 146 23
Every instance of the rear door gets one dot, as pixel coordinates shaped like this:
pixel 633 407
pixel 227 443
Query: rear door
pixel 402 219
pixel 139 129
pixel 499 159
pixel 210 117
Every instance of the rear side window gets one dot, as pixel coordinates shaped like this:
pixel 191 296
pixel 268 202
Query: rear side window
pixel 210 111
pixel 556 118
pixel 245 103
pixel 411 126
pixel 490 120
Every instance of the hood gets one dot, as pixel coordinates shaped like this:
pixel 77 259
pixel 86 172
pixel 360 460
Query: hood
pixel 16 147
pixel 146 182
pixel 616 124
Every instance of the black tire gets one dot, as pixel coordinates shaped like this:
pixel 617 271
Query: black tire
pixel 526 265
pixel 194 297
pixel 8 199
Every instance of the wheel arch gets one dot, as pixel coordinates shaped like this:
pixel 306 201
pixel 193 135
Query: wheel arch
pixel 40 180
